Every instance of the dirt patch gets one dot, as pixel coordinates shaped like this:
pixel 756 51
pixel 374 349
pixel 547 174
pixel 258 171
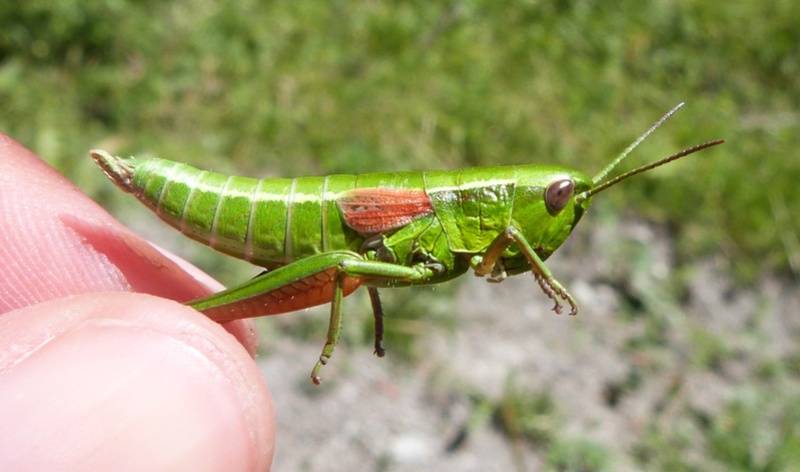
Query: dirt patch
pixel 657 354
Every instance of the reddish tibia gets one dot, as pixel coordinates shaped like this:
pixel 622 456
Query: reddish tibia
pixel 375 210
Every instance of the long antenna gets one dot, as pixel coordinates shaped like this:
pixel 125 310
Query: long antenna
pixel 602 174
pixel 584 195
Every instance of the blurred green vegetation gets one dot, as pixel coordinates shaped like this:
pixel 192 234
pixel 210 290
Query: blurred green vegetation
pixel 294 88
pixel 291 88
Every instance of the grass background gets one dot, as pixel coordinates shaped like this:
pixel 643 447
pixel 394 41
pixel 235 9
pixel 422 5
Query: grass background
pixel 291 88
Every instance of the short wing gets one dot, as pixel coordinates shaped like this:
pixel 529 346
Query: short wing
pixel 375 210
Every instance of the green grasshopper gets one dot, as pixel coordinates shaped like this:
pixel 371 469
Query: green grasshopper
pixel 320 238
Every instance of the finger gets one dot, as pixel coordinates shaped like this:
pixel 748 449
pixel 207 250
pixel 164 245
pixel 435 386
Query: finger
pixel 57 242
pixel 110 380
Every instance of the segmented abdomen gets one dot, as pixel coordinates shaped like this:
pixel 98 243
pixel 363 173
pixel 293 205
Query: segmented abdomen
pixel 269 222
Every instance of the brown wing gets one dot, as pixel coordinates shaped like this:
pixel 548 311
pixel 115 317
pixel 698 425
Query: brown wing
pixel 375 210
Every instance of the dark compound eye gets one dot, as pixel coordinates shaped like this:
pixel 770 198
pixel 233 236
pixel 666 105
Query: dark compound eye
pixel 557 195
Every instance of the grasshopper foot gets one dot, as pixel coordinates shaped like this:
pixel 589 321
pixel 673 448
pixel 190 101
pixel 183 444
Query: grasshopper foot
pixel 315 378
pixel 554 291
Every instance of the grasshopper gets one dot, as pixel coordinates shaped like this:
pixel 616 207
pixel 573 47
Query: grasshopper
pixel 320 238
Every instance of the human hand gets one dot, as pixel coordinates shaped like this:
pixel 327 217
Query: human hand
pixel 95 378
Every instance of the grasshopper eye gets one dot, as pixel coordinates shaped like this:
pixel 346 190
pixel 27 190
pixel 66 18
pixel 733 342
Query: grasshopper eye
pixel 557 195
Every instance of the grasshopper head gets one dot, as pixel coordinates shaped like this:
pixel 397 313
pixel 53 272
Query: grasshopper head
pixel 545 205
pixel 551 200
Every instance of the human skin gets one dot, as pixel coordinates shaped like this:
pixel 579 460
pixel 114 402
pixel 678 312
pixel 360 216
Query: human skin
pixel 99 368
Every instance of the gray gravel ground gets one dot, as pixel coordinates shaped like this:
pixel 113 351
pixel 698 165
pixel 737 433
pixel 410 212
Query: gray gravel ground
pixel 615 374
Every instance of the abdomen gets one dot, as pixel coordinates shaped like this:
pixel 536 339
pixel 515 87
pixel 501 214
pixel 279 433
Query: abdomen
pixel 268 222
